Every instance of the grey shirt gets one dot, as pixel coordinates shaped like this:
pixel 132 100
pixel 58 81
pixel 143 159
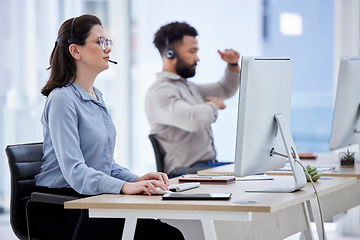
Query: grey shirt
pixel 79 142
pixel 178 113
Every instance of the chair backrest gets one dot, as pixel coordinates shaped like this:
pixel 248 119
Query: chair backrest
pixel 159 153
pixel 24 163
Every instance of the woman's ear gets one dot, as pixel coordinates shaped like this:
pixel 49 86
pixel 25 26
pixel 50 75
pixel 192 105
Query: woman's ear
pixel 74 51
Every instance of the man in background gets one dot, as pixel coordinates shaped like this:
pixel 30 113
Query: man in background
pixel 181 112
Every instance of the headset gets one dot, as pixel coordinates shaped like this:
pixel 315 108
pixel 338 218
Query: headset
pixel 170 53
pixel 75 40
pixel 72 38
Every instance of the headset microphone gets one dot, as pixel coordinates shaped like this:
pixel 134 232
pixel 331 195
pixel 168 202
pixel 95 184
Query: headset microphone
pixel 75 40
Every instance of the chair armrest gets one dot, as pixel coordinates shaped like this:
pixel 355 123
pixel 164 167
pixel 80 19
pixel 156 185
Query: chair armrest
pixel 51 198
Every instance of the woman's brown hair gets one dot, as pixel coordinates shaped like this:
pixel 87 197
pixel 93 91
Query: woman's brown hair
pixel 62 64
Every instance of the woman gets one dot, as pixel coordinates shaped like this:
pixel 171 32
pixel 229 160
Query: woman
pixel 79 140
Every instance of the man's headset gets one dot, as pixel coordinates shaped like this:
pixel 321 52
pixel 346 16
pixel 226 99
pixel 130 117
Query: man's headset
pixel 72 38
pixel 170 53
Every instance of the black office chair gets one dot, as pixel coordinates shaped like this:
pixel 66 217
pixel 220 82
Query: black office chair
pixel 160 163
pixel 24 163
pixel 159 153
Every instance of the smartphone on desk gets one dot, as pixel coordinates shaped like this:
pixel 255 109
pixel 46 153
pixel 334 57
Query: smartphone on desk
pixel 196 196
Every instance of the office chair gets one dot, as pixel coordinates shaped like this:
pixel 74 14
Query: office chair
pixel 24 163
pixel 160 164
pixel 159 153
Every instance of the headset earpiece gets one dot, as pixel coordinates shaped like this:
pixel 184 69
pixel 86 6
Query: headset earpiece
pixel 72 38
pixel 170 53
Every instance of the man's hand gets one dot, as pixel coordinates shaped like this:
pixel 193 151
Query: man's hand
pixel 217 101
pixel 230 56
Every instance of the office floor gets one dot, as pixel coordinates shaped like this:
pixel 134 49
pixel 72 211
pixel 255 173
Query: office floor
pixel 331 233
pixel 7 233
pixel 5 228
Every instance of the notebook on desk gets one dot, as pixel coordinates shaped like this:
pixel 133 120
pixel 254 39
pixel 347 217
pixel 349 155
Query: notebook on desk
pixel 307 156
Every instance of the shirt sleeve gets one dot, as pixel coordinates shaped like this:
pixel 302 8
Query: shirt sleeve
pixel 225 88
pixel 166 104
pixel 63 122
pixel 120 172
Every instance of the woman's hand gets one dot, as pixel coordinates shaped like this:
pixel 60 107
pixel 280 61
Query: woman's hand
pixel 162 177
pixel 143 187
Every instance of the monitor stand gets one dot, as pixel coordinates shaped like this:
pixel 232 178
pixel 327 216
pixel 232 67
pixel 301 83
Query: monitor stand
pixel 356 137
pixel 297 170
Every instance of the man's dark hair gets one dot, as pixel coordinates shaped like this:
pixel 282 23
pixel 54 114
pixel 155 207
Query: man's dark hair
pixel 174 32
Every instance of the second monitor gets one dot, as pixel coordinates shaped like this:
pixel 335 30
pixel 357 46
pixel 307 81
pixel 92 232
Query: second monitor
pixel 263 140
pixel 346 117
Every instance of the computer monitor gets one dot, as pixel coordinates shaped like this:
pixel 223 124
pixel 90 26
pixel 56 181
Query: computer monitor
pixel 263 138
pixel 345 127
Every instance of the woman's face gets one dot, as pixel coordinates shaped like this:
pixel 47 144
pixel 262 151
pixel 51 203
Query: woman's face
pixel 92 54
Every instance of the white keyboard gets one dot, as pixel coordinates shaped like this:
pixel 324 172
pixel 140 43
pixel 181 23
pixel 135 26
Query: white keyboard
pixel 318 168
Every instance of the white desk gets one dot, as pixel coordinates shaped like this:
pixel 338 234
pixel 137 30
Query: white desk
pixel 350 223
pixel 335 203
pixel 271 216
pixel 323 159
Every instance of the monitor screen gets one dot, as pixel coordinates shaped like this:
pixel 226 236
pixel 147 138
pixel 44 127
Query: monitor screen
pixel 345 128
pixel 263 139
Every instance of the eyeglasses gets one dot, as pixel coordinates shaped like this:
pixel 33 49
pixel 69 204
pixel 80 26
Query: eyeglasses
pixel 102 42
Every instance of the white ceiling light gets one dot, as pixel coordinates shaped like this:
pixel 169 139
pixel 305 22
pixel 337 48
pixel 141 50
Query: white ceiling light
pixel 290 24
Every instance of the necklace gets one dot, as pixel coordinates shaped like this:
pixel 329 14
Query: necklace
pixel 92 94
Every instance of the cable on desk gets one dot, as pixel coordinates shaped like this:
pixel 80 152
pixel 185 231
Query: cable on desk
pixel 317 199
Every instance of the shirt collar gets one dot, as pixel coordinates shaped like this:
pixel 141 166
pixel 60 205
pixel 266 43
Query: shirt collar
pixel 86 96
pixel 171 76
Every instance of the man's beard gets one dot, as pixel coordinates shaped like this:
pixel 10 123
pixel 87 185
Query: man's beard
pixel 184 69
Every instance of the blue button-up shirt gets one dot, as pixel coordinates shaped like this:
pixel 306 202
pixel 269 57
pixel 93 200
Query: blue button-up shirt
pixel 79 141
